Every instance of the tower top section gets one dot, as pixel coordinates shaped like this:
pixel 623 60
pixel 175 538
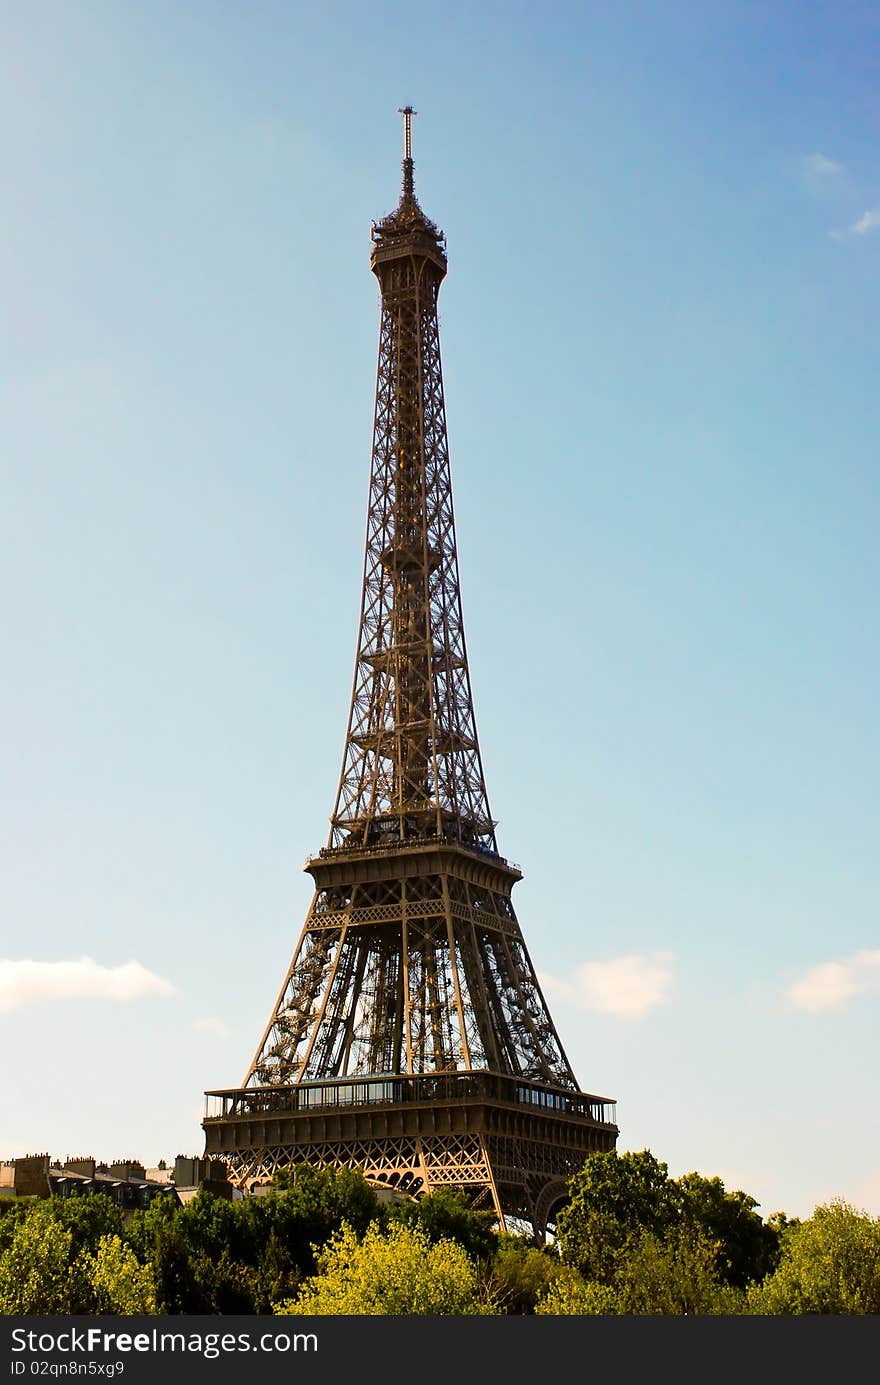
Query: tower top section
pixel 412 776
pixel 406 230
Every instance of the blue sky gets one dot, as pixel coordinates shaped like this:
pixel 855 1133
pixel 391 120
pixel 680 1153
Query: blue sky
pixel 659 343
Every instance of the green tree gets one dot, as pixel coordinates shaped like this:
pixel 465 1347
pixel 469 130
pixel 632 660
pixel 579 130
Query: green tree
pixel 674 1275
pixel 573 1296
pixel 399 1272
pixel 36 1275
pixel 618 1199
pixel 829 1264
pixel 202 1254
pixel 748 1247
pixel 521 1272
pixel 277 1275
pixel 220 1284
pixel 88 1217
pixel 216 1256
pixel 66 1256
pixel 157 1237
pixel 117 1282
pixel 309 1203
pixel 12 1211
pixel 613 1198
pixel 445 1215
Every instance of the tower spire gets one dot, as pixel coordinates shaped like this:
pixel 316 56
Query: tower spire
pixel 408 181
pixel 407 112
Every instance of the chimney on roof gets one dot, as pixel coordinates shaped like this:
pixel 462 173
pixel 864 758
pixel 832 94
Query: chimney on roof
pixel 128 1168
pixel 83 1163
pixel 31 1176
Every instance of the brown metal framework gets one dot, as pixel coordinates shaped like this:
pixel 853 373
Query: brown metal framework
pixel 410 1037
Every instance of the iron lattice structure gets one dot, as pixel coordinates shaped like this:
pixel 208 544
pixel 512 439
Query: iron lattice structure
pixel 410 1037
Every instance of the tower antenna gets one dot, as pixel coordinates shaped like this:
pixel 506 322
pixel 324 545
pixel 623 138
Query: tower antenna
pixel 407 112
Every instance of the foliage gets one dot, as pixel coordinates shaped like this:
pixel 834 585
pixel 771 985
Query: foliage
pixel 572 1295
pixel 398 1272
pixel 318 1200
pixel 674 1275
pixel 200 1255
pixel 612 1198
pixel 617 1200
pixel 446 1215
pixel 12 1211
pixel 88 1217
pixel 829 1264
pixel 60 1260
pixel 277 1276
pixel 118 1283
pixel 215 1256
pixel 35 1270
pixel 521 1272
pixel 781 1222
pixel 630 1241
pixel 747 1246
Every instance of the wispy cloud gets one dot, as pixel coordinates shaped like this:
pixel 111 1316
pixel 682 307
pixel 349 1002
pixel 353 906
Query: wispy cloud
pixel 216 1028
pixel 820 166
pixel 829 179
pixel 831 985
pixel 27 983
pixel 869 221
pixel 629 986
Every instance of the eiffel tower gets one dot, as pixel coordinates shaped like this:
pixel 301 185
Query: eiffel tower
pixel 410 1038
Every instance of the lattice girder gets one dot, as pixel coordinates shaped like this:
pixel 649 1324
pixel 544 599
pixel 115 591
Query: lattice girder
pixel 412 763
pixel 420 973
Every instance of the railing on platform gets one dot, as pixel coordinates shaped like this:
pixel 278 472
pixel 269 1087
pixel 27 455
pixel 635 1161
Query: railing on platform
pixel 394 848
pixel 392 1089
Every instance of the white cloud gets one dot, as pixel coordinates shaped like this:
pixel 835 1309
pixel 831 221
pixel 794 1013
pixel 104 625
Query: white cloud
pixel 868 221
pixel 209 1024
pixel 26 982
pixel 830 985
pixel 629 986
pixel 821 166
